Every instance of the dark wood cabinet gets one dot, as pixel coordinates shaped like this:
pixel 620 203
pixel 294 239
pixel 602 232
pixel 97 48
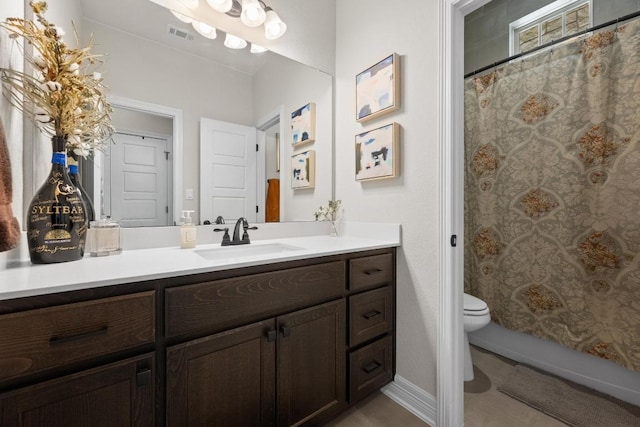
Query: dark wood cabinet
pixel 292 366
pixel 311 364
pixel 118 394
pixel 287 344
pixel 227 379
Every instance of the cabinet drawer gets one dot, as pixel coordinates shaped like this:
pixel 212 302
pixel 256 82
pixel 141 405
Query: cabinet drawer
pixel 223 304
pixel 370 368
pixel 370 272
pixel 35 340
pixel 371 314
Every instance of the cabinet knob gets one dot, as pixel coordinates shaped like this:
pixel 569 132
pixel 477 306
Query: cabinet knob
pixel 285 330
pixel 143 377
pixel 372 271
pixel 271 335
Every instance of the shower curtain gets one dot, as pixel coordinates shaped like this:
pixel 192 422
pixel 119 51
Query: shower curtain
pixel 552 194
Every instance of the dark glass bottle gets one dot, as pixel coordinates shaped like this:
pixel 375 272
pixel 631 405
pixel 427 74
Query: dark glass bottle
pixel 56 220
pixel 74 175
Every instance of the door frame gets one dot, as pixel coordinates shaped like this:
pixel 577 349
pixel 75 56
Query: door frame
pixel 176 153
pixel 264 123
pixel 450 382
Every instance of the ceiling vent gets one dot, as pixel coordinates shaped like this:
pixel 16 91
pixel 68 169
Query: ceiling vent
pixel 182 34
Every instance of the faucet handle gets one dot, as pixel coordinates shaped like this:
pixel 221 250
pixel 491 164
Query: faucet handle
pixel 225 237
pixel 219 220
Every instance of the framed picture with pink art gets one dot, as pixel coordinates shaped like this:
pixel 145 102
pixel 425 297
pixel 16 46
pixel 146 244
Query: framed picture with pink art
pixel 377 153
pixel 378 89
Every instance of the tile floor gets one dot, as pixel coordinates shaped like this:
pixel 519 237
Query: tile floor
pixel 484 405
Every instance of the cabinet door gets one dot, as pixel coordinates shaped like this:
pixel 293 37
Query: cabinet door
pixel 311 364
pixel 119 394
pixel 227 379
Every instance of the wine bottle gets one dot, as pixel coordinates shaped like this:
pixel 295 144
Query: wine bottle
pixel 56 219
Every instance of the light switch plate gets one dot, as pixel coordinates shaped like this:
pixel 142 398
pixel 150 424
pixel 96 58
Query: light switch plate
pixel 188 194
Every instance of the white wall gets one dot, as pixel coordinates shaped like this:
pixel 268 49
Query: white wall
pixel 295 85
pixel 367 31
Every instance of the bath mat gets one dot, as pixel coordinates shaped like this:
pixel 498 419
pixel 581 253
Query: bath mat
pixel 568 402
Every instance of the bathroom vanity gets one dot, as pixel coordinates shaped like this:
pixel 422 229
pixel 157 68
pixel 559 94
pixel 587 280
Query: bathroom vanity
pixel 267 340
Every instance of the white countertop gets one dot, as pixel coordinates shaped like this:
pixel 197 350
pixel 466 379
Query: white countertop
pixel 27 279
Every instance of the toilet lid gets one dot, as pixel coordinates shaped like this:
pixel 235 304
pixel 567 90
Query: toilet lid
pixel 473 304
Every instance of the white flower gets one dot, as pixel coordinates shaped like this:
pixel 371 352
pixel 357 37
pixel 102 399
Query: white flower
pixel 60 32
pixel 39 61
pixel 52 86
pixel 73 67
pixel 97 76
pixel 74 140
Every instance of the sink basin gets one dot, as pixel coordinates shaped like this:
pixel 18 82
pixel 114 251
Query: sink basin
pixel 241 251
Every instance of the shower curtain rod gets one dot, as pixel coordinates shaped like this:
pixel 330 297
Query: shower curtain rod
pixel 553 42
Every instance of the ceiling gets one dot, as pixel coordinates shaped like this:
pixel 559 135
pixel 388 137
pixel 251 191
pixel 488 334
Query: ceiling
pixel 148 20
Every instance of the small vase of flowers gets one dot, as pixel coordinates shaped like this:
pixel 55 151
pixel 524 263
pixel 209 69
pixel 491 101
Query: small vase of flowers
pixel 330 213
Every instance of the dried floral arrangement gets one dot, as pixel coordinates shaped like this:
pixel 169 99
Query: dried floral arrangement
pixel 63 96
pixel 328 212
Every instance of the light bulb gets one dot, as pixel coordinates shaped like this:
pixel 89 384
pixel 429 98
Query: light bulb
pixel 257 48
pixel 234 42
pixel 191 4
pixel 252 14
pixel 273 26
pixel 222 6
pixel 205 30
pixel 183 18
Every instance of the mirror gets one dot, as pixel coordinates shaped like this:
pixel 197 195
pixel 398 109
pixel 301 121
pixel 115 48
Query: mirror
pixel 186 78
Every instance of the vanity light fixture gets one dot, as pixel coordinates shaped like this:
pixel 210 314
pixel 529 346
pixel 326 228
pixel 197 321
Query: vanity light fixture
pixel 234 42
pixel 252 15
pixel 205 30
pixel 190 4
pixel 273 25
pixel 255 48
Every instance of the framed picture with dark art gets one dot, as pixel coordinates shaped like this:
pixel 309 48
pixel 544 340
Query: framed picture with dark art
pixel 303 125
pixel 378 89
pixel 303 170
pixel 377 153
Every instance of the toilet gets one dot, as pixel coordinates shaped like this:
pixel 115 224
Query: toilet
pixel 476 316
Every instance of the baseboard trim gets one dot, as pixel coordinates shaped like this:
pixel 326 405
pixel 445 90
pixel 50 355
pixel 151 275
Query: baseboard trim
pixel 412 398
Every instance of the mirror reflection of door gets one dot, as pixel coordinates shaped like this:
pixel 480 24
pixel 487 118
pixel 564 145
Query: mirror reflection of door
pixel 137 170
pixel 272 172
pixel 227 171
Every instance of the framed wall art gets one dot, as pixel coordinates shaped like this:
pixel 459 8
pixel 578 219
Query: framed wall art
pixel 378 89
pixel 303 125
pixel 303 170
pixel 377 153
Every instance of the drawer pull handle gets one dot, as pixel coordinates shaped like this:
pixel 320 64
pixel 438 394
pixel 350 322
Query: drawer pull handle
pixel 286 331
pixel 370 315
pixel 372 366
pixel 80 336
pixel 272 335
pixel 373 271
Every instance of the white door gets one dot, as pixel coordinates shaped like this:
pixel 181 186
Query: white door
pixel 139 181
pixel 227 171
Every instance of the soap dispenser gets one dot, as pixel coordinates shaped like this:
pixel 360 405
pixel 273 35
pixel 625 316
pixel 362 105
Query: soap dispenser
pixel 187 231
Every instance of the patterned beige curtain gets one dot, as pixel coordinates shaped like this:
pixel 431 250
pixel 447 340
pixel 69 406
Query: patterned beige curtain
pixel 552 194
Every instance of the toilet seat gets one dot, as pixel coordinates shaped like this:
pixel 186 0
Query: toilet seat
pixel 474 306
